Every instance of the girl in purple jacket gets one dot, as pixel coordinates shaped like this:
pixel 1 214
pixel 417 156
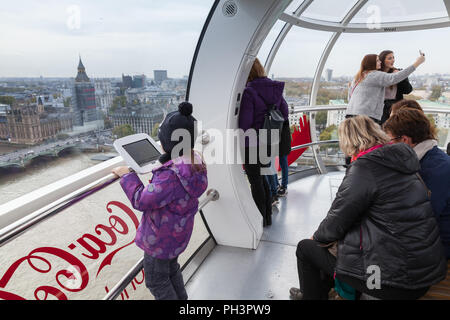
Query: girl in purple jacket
pixel 169 203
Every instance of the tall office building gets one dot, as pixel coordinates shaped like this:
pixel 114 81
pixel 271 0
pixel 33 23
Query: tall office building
pixel 84 108
pixel 159 76
pixel 329 74
pixel 138 81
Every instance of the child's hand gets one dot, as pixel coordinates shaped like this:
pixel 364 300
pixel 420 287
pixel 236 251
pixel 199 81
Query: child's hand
pixel 120 171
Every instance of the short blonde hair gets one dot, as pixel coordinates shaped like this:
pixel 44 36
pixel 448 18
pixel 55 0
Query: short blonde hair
pixel 360 133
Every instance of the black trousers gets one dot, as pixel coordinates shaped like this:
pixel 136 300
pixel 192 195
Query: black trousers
pixel 260 191
pixel 316 265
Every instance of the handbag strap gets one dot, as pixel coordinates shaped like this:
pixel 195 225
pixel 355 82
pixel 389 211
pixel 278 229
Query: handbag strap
pixel 356 84
pixel 423 182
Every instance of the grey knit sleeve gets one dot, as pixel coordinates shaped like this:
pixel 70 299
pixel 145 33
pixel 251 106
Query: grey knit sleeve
pixel 384 79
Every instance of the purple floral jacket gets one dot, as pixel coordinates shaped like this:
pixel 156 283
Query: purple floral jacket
pixel 169 203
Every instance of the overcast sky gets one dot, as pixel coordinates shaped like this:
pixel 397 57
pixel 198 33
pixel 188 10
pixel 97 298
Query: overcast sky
pixel 113 37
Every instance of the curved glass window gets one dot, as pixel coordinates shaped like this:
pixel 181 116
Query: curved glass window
pixel 74 76
pixel 293 6
pixel 429 81
pixel 268 43
pixel 329 10
pixel 295 64
pixel 398 11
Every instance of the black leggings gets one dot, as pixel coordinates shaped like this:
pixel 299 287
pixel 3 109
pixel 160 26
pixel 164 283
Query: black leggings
pixel 260 191
pixel 316 270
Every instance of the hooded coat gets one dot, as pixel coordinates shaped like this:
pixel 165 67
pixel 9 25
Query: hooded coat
pixel 253 108
pixel 382 216
pixel 435 171
pixel 169 203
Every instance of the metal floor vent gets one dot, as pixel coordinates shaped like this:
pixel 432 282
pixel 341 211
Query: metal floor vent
pixel 229 9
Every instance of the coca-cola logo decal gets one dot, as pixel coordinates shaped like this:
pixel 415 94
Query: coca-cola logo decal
pixel 75 276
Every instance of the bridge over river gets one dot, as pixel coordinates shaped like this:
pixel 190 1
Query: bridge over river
pixel 22 157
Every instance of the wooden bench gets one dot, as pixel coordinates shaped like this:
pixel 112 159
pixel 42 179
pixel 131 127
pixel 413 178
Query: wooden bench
pixel 440 291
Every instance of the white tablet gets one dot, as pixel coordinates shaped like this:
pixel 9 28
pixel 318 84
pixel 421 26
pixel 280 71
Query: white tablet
pixel 139 151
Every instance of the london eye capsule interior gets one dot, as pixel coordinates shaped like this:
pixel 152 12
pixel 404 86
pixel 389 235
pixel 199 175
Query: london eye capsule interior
pixel 82 223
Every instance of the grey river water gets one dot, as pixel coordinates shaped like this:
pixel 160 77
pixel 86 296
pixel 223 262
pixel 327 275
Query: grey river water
pixel 41 172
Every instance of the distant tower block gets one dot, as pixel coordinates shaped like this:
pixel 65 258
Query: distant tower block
pixel 159 76
pixel 329 73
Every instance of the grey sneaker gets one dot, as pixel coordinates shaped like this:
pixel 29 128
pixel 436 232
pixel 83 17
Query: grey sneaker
pixel 295 294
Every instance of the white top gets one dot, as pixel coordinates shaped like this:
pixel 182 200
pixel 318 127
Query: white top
pixel 390 93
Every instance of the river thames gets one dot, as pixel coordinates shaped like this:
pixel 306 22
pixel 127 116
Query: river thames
pixel 15 182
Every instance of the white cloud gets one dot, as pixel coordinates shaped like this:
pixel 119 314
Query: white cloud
pixel 138 36
pixel 114 36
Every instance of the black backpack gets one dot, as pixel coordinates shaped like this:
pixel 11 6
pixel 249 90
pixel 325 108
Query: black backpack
pixel 273 120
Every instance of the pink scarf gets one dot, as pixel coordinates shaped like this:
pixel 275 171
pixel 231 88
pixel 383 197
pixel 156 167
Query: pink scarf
pixel 366 151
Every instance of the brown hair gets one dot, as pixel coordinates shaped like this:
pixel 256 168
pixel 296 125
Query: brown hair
pixel 382 56
pixel 257 71
pixel 360 133
pixel 368 63
pixel 405 103
pixel 410 122
pixel 412 104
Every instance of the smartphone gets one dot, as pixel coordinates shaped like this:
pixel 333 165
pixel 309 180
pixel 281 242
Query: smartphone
pixel 421 53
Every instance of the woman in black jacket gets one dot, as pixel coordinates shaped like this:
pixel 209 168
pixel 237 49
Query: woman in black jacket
pixel 395 92
pixel 388 243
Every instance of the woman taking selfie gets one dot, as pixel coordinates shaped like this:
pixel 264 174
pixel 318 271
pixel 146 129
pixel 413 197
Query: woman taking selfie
pixel 366 93
pixel 395 92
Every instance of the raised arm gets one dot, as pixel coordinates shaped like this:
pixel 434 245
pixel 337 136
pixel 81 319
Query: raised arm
pixel 384 79
pixel 388 79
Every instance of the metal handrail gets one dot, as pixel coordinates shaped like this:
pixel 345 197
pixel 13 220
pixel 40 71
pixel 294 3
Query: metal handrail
pixel 300 109
pixel 211 195
pixel 15 229
pixel 305 145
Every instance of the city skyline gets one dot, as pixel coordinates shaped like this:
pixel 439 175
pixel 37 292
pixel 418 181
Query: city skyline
pixel 138 37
